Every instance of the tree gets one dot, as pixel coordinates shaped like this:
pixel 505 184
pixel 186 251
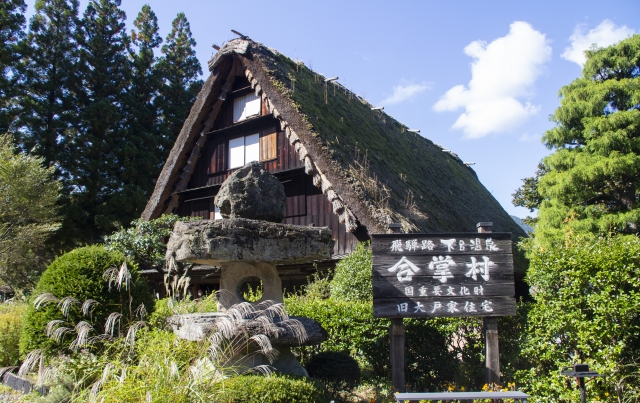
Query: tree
pixel 141 157
pixel 592 180
pixel 11 24
pixel 99 202
pixel 587 293
pixel 28 215
pixel 180 71
pixel 47 107
pixel 527 195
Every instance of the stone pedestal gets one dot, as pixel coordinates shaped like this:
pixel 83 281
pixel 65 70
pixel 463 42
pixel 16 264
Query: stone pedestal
pixel 233 276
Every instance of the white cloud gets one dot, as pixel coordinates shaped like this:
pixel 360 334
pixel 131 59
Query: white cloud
pixel 403 92
pixel 605 34
pixel 502 72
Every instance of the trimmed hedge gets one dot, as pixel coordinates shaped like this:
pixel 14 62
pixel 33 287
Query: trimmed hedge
pixel 271 389
pixel 79 274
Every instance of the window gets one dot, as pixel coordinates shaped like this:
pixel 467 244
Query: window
pixel 243 150
pixel 245 107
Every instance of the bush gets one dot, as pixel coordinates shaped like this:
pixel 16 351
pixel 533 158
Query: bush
pixel 272 389
pixel 11 318
pixel 352 328
pixel 587 294
pixel 79 274
pixel 338 371
pixel 352 278
pixel 143 242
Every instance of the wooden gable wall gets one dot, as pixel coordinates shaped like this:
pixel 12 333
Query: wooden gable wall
pixel 306 205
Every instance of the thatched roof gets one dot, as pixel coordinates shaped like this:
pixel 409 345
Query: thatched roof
pixel 368 164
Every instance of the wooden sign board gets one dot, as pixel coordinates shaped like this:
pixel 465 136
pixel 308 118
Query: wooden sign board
pixel 448 274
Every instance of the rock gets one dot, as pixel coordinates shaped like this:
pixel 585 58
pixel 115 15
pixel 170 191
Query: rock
pixel 194 326
pixel 253 193
pixel 214 242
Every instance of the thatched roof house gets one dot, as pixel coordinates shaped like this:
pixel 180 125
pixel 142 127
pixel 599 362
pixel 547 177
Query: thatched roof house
pixel 367 168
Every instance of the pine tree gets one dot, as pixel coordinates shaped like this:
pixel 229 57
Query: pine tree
pixel 12 22
pixel 47 107
pixel 99 203
pixel 591 183
pixel 142 157
pixel 180 71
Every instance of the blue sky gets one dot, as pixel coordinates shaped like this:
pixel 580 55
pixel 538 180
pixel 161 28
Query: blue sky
pixel 478 77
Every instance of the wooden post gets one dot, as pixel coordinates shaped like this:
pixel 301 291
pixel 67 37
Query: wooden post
pixel 492 348
pixel 396 332
pixel 396 340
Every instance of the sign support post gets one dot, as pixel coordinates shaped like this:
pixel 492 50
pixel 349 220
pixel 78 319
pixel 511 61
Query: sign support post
pixel 396 341
pixel 492 348
pixel 396 332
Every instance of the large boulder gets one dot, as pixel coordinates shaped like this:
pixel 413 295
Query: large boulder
pixel 253 193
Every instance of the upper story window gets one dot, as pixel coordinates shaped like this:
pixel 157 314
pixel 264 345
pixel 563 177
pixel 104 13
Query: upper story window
pixel 245 107
pixel 243 150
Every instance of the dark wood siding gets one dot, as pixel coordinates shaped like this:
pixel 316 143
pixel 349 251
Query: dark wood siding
pixel 306 205
pixel 318 214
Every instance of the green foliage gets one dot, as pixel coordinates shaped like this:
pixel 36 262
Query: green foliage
pixel 143 241
pixel 352 328
pixel 352 279
pixel 272 389
pixel 11 23
pixel 587 294
pixel 336 370
pixel 100 149
pixel 46 108
pixel 592 182
pixel 96 101
pixel 180 71
pixel 11 318
pixel 527 195
pixel 253 295
pixel 28 215
pixel 318 285
pixel 79 274
pixel 159 367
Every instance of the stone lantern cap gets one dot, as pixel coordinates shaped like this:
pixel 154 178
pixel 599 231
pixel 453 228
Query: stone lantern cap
pixel 214 242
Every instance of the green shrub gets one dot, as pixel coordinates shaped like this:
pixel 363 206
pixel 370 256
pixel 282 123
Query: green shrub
pixel 272 389
pixel 585 310
pixel 143 242
pixel 79 274
pixel 11 319
pixel 338 371
pixel 352 278
pixel 352 328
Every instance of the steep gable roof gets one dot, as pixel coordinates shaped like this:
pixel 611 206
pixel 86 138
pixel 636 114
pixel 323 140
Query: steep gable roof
pixel 372 169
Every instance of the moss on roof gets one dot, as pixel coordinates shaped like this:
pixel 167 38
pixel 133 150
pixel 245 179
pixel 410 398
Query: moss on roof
pixel 399 175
